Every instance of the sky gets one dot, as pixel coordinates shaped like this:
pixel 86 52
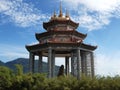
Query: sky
pixel 100 19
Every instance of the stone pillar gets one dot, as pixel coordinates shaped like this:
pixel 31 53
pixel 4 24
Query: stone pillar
pixel 31 62
pixel 40 65
pixel 49 61
pixel 84 63
pixel 92 65
pixel 53 64
pixel 72 61
pixel 66 65
pixel 78 63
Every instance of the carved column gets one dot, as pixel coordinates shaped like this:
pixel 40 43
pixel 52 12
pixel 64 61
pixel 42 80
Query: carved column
pixel 84 63
pixel 72 65
pixel 40 65
pixel 49 61
pixel 92 65
pixel 53 64
pixel 78 63
pixel 67 65
pixel 31 62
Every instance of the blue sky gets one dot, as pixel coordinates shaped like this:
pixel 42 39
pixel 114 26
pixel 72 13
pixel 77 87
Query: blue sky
pixel 100 19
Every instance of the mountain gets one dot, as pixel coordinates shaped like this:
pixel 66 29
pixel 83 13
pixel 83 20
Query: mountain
pixel 25 62
pixel 1 63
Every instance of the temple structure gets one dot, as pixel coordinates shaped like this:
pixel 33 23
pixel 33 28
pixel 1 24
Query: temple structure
pixel 61 39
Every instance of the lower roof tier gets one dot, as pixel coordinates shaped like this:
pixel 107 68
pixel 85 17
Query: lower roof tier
pixel 60 46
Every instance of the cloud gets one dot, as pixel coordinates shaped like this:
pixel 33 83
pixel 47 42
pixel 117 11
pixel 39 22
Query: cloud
pixel 91 14
pixel 107 64
pixel 21 13
pixel 94 14
pixel 10 52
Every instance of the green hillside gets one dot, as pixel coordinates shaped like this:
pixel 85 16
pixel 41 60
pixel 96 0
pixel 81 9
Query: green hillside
pixel 24 62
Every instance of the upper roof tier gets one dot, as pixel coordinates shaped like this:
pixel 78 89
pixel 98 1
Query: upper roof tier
pixel 60 19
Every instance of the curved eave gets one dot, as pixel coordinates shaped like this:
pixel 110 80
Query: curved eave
pixel 41 46
pixel 88 47
pixel 40 35
pixel 76 33
pixel 55 22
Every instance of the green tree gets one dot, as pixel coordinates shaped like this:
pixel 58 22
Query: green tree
pixel 5 78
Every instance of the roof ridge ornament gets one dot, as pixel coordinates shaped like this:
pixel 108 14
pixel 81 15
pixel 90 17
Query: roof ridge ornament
pixel 60 14
pixel 54 15
pixel 67 14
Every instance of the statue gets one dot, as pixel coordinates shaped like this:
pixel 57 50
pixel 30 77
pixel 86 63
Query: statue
pixel 61 71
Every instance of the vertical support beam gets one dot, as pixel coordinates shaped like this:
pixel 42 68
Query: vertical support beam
pixel 67 65
pixel 49 61
pixel 82 62
pixel 53 64
pixel 78 62
pixel 72 61
pixel 40 65
pixel 92 65
pixel 31 62
pixel 85 63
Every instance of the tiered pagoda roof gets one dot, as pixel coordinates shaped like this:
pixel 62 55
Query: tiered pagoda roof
pixel 60 31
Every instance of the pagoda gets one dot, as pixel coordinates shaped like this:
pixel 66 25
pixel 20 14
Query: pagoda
pixel 61 39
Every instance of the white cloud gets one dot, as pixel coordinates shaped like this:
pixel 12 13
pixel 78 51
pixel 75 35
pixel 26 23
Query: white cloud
pixel 108 64
pixel 10 52
pixel 22 14
pixel 94 14
pixel 91 14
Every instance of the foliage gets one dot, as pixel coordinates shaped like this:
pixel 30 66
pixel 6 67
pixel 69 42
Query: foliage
pixel 17 80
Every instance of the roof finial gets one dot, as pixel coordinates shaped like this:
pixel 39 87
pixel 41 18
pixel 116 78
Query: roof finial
pixel 54 15
pixel 67 14
pixel 60 14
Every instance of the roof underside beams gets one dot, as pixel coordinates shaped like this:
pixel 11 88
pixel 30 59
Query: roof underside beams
pixel 60 49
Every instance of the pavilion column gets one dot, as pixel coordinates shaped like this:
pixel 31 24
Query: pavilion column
pixel 72 63
pixel 92 64
pixel 78 63
pixel 53 64
pixel 31 62
pixel 40 65
pixel 84 63
pixel 49 62
pixel 67 65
